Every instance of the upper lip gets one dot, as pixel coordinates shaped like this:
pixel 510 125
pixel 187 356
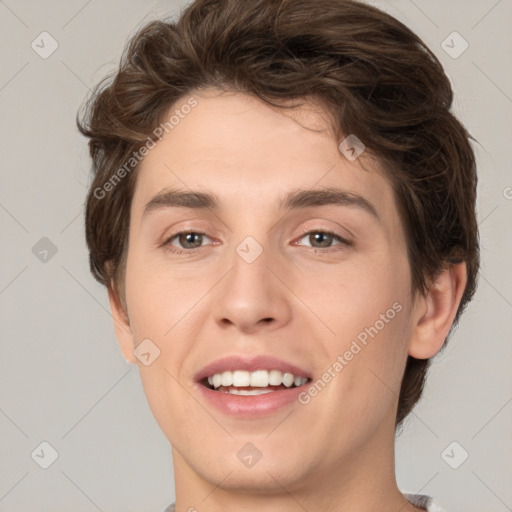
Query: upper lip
pixel 250 364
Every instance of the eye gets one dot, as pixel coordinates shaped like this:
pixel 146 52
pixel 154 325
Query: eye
pixel 187 240
pixel 323 239
pixel 191 241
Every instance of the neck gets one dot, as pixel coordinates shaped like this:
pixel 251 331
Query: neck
pixel 363 481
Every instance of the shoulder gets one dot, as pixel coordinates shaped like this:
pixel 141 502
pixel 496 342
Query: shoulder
pixel 419 500
pixel 423 501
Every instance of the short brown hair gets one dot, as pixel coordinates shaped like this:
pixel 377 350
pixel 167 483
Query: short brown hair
pixel 375 77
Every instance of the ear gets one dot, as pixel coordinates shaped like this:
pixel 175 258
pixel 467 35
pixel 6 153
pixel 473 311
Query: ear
pixel 435 312
pixel 121 325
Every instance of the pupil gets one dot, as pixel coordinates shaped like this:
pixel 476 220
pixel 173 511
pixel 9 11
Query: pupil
pixel 323 238
pixel 188 238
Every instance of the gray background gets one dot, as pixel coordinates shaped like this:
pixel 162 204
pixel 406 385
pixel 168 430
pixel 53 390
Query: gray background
pixel 63 379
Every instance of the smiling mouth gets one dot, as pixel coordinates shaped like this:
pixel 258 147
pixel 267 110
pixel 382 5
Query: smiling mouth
pixel 259 382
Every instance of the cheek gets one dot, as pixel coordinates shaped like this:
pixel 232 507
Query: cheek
pixel 163 308
pixel 365 391
pixel 368 307
pixel 157 297
pixel 352 296
pixel 374 374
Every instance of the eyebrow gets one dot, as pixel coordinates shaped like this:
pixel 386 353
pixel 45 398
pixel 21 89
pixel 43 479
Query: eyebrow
pixel 292 201
pixel 327 196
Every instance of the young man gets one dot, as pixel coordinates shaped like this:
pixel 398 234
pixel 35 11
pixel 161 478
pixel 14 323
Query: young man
pixel 283 212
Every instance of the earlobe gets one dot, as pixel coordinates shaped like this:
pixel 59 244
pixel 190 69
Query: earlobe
pixel 122 326
pixel 435 312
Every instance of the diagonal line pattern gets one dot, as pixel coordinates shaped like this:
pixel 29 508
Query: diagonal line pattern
pixel 72 220
pixel 327 327
pixel 287 492
pixel 94 298
pixel 485 15
pixel 13 217
pixel 13 13
pixel 488 215
pixel 421 489
pixel 76 75
pixel 105 394
pixel 506 403
pixel 81 491
pixel 397 397
pixel 492 81
pixel 216 487
pixel 418 491
pixel 14 76
pixel 495 289
pixel 424 424
pixel 383 383
pixel 196 303
pixel 13 279
pixel 13 423
pixel 14 485
pixel 424 13
pixel 198 403
pixel 280 423
pixel 508 508
pixel 76 14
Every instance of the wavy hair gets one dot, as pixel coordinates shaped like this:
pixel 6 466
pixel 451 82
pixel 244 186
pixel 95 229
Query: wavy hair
pixel 375 77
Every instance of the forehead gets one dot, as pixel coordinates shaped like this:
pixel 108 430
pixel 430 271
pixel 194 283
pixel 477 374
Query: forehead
pixel 250 153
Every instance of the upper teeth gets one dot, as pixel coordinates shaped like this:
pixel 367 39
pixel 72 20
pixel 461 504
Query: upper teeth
pixel 259 378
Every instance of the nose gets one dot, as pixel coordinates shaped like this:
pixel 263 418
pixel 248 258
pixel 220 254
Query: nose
pixel 252 296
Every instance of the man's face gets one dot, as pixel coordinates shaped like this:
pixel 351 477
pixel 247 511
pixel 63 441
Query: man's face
pixel 262 277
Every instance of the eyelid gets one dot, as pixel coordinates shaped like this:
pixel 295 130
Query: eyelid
pixel 168 239
pixel 343 240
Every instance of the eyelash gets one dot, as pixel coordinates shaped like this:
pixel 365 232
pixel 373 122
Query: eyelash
pixel 343 241
pixel 335 248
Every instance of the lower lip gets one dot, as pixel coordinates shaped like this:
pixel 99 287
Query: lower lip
pixel 250 406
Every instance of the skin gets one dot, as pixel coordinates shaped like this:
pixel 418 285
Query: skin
pixel 301 301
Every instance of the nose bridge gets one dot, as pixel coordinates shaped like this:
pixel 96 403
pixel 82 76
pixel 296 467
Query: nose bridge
pixel 251 295
pixel 249 263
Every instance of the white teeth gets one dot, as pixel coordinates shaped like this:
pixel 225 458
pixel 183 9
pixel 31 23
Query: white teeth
pixel 241 378
pixel 257 379
pixel 288 379
pixel 217 380
pixel 275 377
pixel 227 379
pixel 234 391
